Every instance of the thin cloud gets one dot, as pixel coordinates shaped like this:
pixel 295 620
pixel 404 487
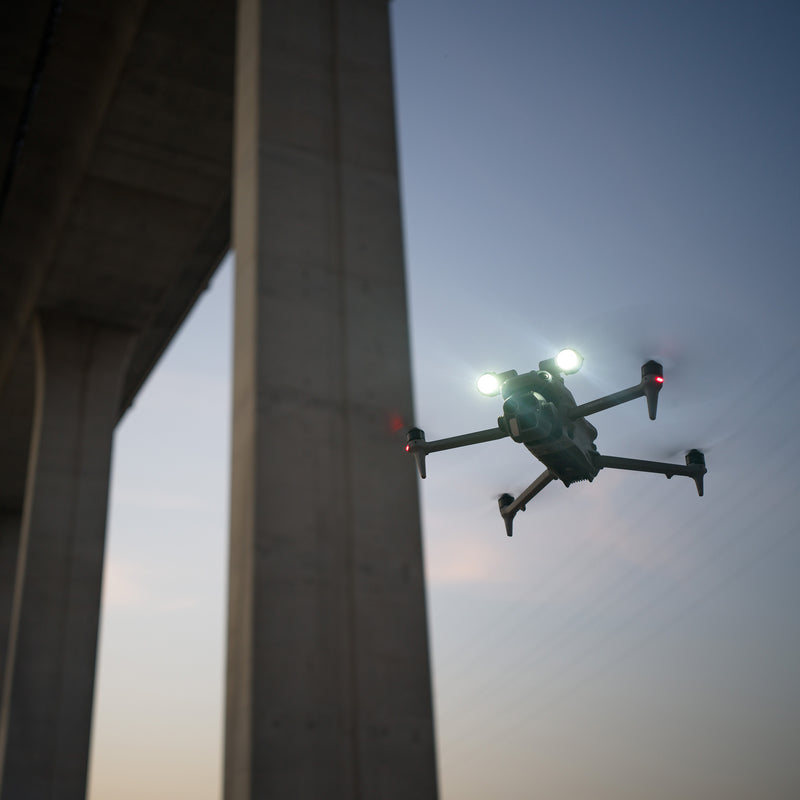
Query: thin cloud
pixel 460 560
pixel 126 586
pixel 122 587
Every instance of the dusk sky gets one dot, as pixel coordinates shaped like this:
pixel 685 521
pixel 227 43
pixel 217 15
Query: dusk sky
pixel 620 177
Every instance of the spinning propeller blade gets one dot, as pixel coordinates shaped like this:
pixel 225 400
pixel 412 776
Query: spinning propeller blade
pixel 415 444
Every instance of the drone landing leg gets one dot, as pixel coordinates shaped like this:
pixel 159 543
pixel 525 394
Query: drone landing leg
pixel 510 505
pixel 695 466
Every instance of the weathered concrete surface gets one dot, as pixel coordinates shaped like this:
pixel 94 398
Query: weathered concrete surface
pixel 49 679
pixel 328 679
pixel 118 205
pixel 115 135
pixel 115 212
pixel 16 415
pixel 9 549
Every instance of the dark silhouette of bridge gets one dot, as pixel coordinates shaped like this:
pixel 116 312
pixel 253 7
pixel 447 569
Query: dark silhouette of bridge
pixel 143 139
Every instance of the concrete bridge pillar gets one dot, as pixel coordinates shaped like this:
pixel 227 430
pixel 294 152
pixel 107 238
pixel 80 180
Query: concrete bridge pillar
pixel 9 545
pixel 328 682
pixel 49 677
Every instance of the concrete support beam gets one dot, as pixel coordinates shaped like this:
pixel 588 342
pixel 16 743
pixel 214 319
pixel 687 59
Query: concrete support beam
pixel 328 684
pixel 9 548
pixel 49 680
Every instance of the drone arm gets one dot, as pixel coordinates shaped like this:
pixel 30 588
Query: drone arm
pixel 609 401
pixel 695 466
pixel 465 439
pixel 419 448
pixel 649 387
pixel 510 505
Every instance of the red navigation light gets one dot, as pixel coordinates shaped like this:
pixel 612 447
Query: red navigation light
pixel 396 422
pixel 408 447
pixel 659 379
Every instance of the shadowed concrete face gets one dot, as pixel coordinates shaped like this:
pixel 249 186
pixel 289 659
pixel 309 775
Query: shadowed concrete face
pixel 49 678
pixel 16 413
pixel 9 546
pixel 328 676
pixel 116 194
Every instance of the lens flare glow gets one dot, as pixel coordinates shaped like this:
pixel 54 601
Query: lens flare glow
pixel 569 360
pixel 488 384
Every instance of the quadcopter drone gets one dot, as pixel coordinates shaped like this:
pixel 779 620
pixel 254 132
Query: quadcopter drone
pixel 541 413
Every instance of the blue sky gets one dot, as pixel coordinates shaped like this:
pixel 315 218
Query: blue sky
pixel 620 177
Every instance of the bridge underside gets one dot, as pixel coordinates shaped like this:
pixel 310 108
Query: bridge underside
pixel 116 129
pixel 117 118
pixel 117 121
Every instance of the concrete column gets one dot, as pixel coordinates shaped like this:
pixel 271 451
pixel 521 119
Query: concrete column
pixel 328 684
pixel 9 546
pixel 49 681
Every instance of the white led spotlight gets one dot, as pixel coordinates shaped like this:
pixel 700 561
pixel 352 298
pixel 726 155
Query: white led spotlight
pixel 489 384
pixel 569 360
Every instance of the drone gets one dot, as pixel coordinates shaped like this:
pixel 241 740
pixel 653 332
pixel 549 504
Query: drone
pixel 541 413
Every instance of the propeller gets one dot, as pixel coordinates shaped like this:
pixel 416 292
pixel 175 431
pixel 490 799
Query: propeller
pixel 503 501
pixel 415 442
pixel 688 444
pixel 698 348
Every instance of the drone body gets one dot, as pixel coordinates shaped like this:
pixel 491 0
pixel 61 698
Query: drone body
pixel 536 413
pixel 541 413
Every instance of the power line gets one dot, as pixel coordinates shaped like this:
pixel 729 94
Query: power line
pixel 726 544
pixel 507 712
pixel 508 615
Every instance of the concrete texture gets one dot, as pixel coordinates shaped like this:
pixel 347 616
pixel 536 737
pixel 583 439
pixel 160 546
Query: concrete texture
pixel 49 677
pixel 328 689
pixel 9 549
pixel 116 130
pixel 118 200
pixel 115 212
